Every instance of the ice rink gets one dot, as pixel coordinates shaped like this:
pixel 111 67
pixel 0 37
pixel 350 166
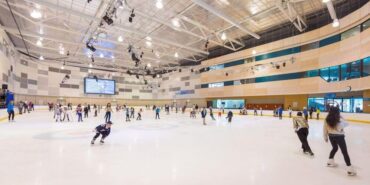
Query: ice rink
pixel 175 150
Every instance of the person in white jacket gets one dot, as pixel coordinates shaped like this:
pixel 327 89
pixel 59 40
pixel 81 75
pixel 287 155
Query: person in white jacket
pixel 334 132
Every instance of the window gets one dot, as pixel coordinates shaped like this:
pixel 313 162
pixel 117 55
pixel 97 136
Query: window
pixel 366 25
pixel 312 73
pixel 234 63
pixel 351 32
pixel 366 67
pixel 218 84
pixel 317 103
pixel 216 67
pixel 334 74
pixel 324 73
pixel 310 46
pixel 278 53
pixel 229 83
pixel 351 70
pixel 330 40
pixel 228 103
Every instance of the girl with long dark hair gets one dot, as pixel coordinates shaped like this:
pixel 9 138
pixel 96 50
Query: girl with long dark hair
pixel 108 112
pixel 334 132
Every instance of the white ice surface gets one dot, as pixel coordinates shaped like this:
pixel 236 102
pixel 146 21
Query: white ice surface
pixel 175 150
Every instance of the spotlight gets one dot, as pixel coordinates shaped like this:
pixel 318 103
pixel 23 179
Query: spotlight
pixel 192 70
pixel 108 19
pixel 137 76
pixel 129 72
pixel 154 75
pixel 227 74
pixel 284 64
pixel 96 78
pixel 180 70
pixel 277 66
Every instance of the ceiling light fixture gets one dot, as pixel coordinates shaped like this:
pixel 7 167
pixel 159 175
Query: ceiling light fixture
pixel 176 55
pixel 89 71
pixel 149 65
pixel 175 22
pixel 254 52
pixel 41 57
pixel 335 23
pixel 90 65
pixel 61 67
pixel 120 39
pixel 223 36
pixel 148 38
pixel 148 43
pixel 159 4
pixel 41 31
pixel 325 1
pixel 39 43
pixel 36 14
pixel 101 55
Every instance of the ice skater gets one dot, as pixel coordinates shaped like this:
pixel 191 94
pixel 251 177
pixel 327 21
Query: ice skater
pixel 204 114
pixel 79 113
pixel 95 110
pixel 229 116
pixel 104 130
pixel 157 110
pixel 66 114
pixel 280 112
pixel 132 112
pixel 139 114
pixel 58 113
pixel 108 112
pixel 127 114
pixel 300 126
pixel 86 111
pixel 10 110
pixel 334 132
pixel 211 113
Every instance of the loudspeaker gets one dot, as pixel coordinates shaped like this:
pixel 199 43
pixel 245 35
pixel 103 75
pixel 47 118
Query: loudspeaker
pixel 4 86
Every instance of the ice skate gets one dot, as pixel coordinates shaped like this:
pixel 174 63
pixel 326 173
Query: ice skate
pixel 351 171
pixel 101 142
pixel 331 163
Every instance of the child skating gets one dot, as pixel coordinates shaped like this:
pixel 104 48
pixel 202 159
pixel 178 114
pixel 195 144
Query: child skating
pixel 104 130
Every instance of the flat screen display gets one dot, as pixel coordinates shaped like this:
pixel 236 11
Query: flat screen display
pixel 100 86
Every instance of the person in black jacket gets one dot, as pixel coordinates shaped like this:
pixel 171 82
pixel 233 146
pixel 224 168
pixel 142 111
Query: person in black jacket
pixel 104 130
pixel 229 116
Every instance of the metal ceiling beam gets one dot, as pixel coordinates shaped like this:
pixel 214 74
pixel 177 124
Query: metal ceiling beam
pixel 118 26
pixel 79 33
pixel 331 10
pixel 182 30
pixel 36 35
pixel 290 13
pixel 225 17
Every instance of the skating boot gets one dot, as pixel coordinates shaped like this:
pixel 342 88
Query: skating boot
pixel 92 142
pixel 101 142
pixel 331 163
pixel 351 171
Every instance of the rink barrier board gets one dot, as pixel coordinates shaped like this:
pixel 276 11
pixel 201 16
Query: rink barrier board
pixel 4 118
